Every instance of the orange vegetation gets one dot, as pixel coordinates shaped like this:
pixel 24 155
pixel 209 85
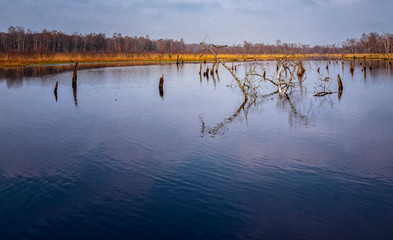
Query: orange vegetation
pixel 40 59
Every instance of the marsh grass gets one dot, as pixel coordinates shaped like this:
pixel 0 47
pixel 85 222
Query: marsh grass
pixel 15 59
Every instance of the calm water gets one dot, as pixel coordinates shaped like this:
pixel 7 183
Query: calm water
pixel 115 160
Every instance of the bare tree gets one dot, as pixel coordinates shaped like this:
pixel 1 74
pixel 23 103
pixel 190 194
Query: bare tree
pixel 387 39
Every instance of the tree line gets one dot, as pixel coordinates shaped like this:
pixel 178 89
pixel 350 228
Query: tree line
pixel 19 40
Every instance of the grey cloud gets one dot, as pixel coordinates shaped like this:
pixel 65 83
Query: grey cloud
pixel 225 21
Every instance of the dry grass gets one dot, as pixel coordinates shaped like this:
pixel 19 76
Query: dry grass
pixel 41 59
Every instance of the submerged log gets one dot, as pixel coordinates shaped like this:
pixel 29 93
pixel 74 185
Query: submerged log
pixel 340 83
pixel 321 94
pixel 318 70
pixel 75 75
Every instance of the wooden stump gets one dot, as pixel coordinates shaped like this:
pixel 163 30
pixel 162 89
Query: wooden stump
pixel 75 75
pixel 300 69
pixel 340 83
pixel 161 85
pixel 55 90
pixel 351 68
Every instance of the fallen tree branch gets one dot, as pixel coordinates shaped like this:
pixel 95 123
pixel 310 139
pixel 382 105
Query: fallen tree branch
pixel 321 94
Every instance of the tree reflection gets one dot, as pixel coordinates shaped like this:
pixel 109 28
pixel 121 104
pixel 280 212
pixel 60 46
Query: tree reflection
pixel 161 92
pixel 220 128
pixel 300 108
pixel 74 90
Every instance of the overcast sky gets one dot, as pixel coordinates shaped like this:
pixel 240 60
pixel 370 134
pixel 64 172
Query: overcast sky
pixel 222 21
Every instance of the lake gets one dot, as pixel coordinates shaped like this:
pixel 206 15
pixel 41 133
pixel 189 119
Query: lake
pixel 117 159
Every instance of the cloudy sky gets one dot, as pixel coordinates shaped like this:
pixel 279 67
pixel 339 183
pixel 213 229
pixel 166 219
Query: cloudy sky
pixel 222 21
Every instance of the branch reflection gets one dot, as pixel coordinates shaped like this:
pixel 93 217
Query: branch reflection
pixel 299 110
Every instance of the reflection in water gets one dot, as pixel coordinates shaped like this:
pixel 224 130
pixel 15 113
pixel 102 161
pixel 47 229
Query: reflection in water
pixel 365 74
pixel 142 170
pixel 220 128
pixel 300 80
pixel 161 92
pixel 295 116
pixel 339 95
pixel 14 76
pixel 74 90
pixel 214 79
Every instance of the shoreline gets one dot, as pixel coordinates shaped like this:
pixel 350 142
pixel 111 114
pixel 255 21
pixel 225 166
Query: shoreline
pixel 32 60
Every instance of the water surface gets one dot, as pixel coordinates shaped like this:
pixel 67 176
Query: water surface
pixel 118 160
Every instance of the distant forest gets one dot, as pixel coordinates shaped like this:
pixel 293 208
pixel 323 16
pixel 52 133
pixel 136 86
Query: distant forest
pixel 19 40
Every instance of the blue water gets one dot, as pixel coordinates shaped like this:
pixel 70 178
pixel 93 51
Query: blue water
pixel 115 160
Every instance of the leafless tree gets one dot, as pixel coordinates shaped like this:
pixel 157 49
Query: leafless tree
pixel 387 39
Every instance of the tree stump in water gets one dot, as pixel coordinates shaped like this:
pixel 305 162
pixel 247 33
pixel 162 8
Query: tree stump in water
pixel 300 69
pixel 55 90
pixel 161 85
pixel 351 68
pixel 340 83
pixel 75 76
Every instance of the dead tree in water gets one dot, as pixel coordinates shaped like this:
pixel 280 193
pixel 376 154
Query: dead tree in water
pixel 75 75
pixel 210 49
pixel 283 80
